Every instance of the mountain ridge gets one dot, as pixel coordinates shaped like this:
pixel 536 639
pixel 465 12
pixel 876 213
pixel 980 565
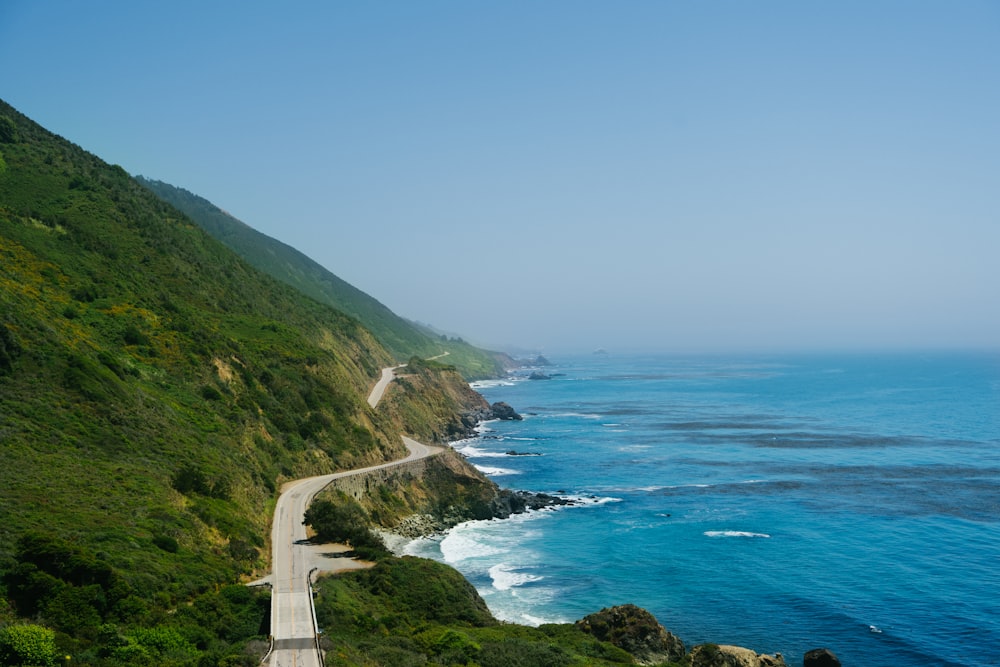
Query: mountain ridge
pixel 285 263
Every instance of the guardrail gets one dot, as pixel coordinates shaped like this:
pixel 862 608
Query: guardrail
pixel 312 609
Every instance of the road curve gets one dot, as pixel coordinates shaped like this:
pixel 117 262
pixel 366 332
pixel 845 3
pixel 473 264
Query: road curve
pixel 388 375
pixel 293 625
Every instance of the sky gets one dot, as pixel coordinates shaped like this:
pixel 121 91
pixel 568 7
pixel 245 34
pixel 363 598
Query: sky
pixel 566 175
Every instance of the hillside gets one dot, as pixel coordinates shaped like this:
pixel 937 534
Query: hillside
pixel 155 391
pixel 400 336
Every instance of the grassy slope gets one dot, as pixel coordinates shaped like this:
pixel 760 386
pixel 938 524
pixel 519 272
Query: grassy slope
pixel 155 389
pixel 401 337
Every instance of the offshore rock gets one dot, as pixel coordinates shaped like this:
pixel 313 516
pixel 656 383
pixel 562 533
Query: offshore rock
pixel 820 657
pixel 635 630
pixel 508 502
pixel 503 411
pixel 470 419
pixel 711 655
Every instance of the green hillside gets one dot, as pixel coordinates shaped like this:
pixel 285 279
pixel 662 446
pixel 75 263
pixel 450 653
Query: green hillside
pixel 155 390
pixel 401 337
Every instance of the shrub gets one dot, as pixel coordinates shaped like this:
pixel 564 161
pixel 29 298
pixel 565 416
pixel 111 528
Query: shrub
pixel 166 543
pixel 27 645
pixel 8 130
pixel 514 652
pixel 344 521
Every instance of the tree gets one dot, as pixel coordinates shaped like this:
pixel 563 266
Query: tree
pixel 27 645
pixel 8 130
pixel 344 522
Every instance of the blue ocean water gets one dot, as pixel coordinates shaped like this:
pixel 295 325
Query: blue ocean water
pixel 780 503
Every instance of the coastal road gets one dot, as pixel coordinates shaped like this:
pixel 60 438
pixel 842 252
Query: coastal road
pixel 388 375
pixel 293 625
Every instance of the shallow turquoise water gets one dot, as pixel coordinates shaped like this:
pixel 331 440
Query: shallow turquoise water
pixel 779 503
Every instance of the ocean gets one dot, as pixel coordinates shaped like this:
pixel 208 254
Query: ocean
pixel 781 503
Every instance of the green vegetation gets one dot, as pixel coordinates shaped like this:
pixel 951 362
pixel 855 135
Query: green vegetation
pixel 412 611
pixel 155 390
pixel 27 644
pixel 344 521
pixel 429 398
pixel 401 337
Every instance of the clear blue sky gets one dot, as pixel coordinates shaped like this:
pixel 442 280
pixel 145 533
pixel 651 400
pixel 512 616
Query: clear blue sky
pixel 570 174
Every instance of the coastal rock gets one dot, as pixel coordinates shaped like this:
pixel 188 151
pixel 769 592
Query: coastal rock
pixel 712 655
pixel 539 376
pixel 820 657
pixel 505 412
pixel 508 502
pixel 635 630
pixel 470 419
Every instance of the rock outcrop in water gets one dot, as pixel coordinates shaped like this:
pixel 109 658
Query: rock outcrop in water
pixel 510 502
pixel 635 630
pixel 820 657
pixel 472 418
pixel 713 655
pixel 505 412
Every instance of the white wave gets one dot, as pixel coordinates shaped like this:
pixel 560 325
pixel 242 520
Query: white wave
pixel 533 621
pixel 489 384
pixel 582 415
pixel 612 425
pixel 460 545
pixel 733 533
pixel 465 442
pixel 496 472
pixel 472 452
pixel 633 448
pixel 507 576
pixel 589 500
pixel 474 540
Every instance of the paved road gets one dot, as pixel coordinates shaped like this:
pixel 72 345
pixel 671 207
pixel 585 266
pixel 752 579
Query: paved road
pixel 292 622
pixel 388 375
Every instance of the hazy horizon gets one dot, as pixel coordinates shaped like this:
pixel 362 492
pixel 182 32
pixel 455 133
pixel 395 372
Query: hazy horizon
pixel 565 176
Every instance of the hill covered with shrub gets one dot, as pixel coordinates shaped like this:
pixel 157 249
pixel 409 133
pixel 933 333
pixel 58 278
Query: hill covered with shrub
pixel 155 391
pixel 400 336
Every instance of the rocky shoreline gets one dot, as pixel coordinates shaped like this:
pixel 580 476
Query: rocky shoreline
pixel 507 503
pixel 631 628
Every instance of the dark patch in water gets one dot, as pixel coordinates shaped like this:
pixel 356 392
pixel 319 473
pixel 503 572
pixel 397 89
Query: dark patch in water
pixel 964 492
pixel 764 431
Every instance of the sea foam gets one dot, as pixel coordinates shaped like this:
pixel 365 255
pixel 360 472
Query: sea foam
pixel 506 576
